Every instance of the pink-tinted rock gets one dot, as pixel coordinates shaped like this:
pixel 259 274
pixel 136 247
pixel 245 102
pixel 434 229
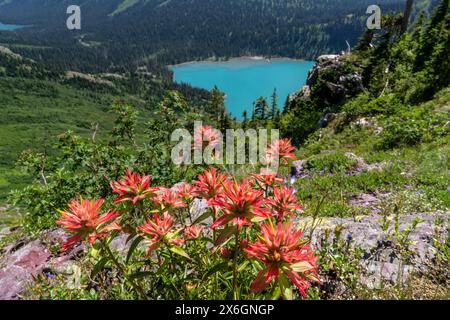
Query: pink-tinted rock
pixel 18 269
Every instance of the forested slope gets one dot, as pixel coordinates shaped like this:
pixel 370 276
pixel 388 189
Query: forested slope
pixel 117 33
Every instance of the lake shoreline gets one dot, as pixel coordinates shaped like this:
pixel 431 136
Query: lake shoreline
pixel 236 59
pixel 11 27
pixel 245 79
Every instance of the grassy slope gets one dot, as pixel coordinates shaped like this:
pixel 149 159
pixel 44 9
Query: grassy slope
pixel 35 111
pixel 416 178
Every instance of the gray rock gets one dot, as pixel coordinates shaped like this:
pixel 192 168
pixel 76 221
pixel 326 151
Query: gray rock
pixel 327 57
pixel 364 200
pixel 120 244
pixel 382 259
pixel 199 207
pixel 304 93
pixel 377 272
pixel 335 91
pixel 353 83
pixel 325 120
pixel 298 168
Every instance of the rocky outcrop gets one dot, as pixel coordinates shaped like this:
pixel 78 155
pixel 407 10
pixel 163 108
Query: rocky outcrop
pixel 386 256
pixel 19 268
pixel 303 93
pixel 339 80
pixel 7 51
pixel 25 259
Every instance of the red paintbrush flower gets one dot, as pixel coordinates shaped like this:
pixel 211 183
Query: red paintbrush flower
pixel 160 229
pixel 186 191
pixel 284 253
pixel 240 203
pixel 84 219
pixel 225 252
pixel 280 149
pixel 206 136
pixel 283 202
pixel 209 184
pixel 193 232
pixel 133 187
pixel 263 180
pixel 168 200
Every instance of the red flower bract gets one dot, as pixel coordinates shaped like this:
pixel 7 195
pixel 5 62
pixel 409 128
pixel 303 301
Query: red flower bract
pixel 160 229
pixel 84 219
pixel 209 184
pixel 281 149
pixel 263 180
pixel 193 232
pixel 133 187
pixel 282 251
pixel 206 136
pixel 240 203
pixel 283 202
pixel 185 191
pixel 168 200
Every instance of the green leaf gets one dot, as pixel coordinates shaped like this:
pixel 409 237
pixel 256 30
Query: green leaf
pixel 285 287
pixel 133 247
pixel 243 265
pixel 203 217
pixel 99 266
pixel 276 294
pixel 179 251
pixel 216 268
pixel 225 235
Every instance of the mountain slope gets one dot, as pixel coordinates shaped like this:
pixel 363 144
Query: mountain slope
pixel 38 104
pixel 159 31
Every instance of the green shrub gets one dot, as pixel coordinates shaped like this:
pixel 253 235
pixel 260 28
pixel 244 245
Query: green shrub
pixel 331 163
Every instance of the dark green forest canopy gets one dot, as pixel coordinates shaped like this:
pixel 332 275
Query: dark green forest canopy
pixel 119 34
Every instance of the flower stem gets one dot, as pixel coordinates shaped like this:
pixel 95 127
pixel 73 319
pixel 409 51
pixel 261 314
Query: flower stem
pixel 121 268
pixel 236 251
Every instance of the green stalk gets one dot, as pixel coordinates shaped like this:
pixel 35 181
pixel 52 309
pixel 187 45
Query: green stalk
pixel 121 268
pixel 236 250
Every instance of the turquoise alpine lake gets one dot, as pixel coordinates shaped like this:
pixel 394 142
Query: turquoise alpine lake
pixel 245 80
pixel 10 26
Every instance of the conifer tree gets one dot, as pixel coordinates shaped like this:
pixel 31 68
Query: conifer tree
pixel 406 15
pixel 261 109
pixel 430 36
pixel 274 106
pixel 419 26
pixel 365 41
pixel 244 120
pixel 217 103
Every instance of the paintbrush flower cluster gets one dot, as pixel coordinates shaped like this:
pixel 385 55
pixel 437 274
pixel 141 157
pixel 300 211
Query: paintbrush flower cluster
pixel 242 243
